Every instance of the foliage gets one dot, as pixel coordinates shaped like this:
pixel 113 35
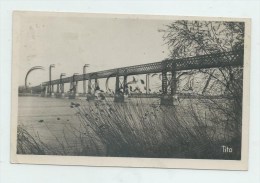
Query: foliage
pixel 190 38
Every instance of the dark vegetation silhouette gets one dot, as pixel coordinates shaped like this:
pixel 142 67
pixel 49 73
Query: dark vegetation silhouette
pixel 191 38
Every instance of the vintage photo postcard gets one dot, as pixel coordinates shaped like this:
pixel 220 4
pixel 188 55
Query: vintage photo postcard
pixel 130 90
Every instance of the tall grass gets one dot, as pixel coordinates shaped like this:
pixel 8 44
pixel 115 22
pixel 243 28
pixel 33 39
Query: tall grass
pixel 193 129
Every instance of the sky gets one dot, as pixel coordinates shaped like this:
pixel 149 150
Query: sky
pixel 70 41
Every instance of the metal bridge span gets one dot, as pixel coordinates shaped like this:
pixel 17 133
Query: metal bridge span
pixel 216 60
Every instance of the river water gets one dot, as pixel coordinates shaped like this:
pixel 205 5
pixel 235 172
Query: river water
pixel 52 120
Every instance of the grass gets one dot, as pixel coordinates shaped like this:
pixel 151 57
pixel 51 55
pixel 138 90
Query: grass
pixel 194 129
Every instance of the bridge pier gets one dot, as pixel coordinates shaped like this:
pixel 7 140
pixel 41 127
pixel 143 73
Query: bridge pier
pixel 96 84
pixel 90 96
pixel 173 80
pixel 147 84
pixel 74 90
pixel 48 91
pixel 84 82
pixel 165 98
pixel 60 91
pixel 44 91
pixel 169 99
pixel 57 91
pixel 119 95
pixel 84 88
pixel 51 93
pixel 125 87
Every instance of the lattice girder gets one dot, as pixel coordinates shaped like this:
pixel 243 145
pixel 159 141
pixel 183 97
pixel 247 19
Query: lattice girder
pixel 223 59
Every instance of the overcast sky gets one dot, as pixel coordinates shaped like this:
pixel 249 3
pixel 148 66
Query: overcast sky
pixel 69 42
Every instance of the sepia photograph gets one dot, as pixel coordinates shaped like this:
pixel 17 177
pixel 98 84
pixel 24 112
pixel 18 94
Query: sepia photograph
pixel 130 90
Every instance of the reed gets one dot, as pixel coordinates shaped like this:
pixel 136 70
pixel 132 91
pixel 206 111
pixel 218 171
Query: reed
pixel 194 129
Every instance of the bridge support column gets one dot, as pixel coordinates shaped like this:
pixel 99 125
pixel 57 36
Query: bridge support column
pixel 48 91
pixel 71 86
pixel 96 84
pixel 164 83
pixel 62 87
pixel 44 91
pixel 58 88
pixel 173 82
pixel 74 92
pixel 165 98
pixel 174 85
pixel 57 91
pixel 51 89
pixel 60 91
pixel 62 94
pixel 89 86
pixel 90 96
pixel 84 86
pixel 71 90
pixel 147 84
pixel 119 95
pixel 125 86
pixel 76 88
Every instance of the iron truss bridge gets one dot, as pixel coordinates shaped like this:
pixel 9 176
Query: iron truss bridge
pixel 215 60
